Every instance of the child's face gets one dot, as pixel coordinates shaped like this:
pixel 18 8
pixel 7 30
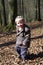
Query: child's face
pixel 20 23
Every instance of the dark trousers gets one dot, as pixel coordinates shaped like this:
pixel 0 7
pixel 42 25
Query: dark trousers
pixel 22 51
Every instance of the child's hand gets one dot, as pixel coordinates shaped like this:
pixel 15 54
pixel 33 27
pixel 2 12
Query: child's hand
pixel 23 43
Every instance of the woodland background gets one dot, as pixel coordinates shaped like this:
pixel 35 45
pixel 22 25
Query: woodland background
pixel 31 10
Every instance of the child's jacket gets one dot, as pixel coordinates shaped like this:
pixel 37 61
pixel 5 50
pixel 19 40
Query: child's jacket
pixel 23 36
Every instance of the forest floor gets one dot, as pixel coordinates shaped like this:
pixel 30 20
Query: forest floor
pixel 8 54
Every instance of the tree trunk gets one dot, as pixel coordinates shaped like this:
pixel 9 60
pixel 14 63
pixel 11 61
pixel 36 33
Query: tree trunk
pixel 39 17
pixel 3 3
pixel 14 11
pixel 36 9
pixel 7 11
pixel 2 13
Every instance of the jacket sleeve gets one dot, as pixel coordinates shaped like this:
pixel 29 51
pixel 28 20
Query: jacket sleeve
pixel 27 36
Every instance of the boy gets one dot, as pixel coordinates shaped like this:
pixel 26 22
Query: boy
pixel 23 36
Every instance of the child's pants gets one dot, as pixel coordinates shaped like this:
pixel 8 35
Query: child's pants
pixel 22 51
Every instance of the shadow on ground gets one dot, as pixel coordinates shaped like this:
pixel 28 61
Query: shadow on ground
pixel 13 42
pixel 30 56
pixel 34 56
pixel 7 43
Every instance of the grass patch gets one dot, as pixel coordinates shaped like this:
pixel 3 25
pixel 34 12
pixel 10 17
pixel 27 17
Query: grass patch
pixel 8 28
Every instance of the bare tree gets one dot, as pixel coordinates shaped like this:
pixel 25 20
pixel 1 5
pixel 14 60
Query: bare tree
pixel 14 10
pixel 1 13
pixel 6 11
pixel 39 16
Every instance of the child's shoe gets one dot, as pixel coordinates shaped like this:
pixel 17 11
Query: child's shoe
pixel 23 62
pixel 18 56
